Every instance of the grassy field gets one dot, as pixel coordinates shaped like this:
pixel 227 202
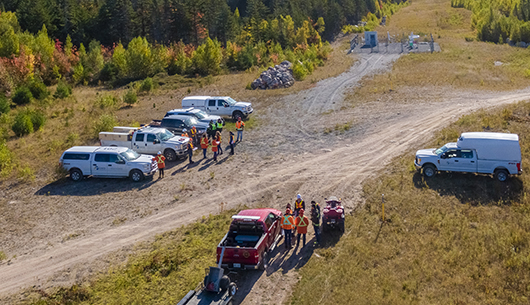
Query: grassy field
pixel 76 120
pixel 161 273
pixel 453 239
pixel 462 64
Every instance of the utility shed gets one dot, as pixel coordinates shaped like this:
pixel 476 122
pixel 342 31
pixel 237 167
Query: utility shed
pixel 370 39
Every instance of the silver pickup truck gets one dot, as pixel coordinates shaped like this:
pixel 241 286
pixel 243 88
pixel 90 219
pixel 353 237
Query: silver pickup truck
pixel 147 140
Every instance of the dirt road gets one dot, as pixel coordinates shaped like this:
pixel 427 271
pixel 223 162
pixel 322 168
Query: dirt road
pixel 290 153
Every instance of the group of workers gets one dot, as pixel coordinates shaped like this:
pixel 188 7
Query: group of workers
pixel 212 137
pixel 296 221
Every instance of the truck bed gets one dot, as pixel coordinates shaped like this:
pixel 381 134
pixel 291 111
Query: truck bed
pixel 115 136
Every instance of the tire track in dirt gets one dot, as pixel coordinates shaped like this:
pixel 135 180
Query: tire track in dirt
pixel 341 170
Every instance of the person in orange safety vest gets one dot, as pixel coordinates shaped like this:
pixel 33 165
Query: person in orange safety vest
pixel 215 143
pixel 204 144
pixel 159 158
pixel 301 222
pixel 287 226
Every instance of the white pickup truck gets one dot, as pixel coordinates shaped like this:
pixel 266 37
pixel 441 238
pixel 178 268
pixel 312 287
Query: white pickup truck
pixel 106 162
pixel 474 152
pixel 146 140
pixel 224 106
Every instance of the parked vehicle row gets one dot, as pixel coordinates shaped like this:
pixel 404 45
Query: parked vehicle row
pixel 224 106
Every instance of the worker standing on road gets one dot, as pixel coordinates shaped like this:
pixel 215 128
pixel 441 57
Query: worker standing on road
pixel 219 125
pixel 204 144
pixel 193 135
pixel 231 143
pixel 215 144
pixel 298 205
pixel 240 125
pixel 315 219
pixel 287 226
pixel 190 151
pixel 212 127
pixel 220 147
pixel 301 223
pixel 159 158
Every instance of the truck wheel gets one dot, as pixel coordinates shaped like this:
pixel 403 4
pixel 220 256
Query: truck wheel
pixel 501 175
pixel 237 114
pixel 76 175
pixel 429 171
pixel 264 262
pixel 170 155
pixel 224 282
pixel 136 175
pixel 232 289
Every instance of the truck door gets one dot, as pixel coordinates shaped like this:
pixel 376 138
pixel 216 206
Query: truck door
pixel 467 162
pixel 271 225
pixel 211 106
pixel 153 144
pixel 447 163
pixel 139 144
pixel 117 166
pixel 101 164
pixel 223 108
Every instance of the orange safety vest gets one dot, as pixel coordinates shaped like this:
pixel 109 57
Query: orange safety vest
pixel 298 205
pixel 287 222
pixel 214 145
pixel 204 143
pixel 240 125
pixel 301 224
pixel 219 138
pixel 160 161
pixel 185 134
pixel 191 145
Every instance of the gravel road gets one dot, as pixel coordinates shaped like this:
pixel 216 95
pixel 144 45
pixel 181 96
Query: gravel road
pixel 290 153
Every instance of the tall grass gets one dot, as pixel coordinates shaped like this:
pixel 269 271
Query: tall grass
pixel 454 239
pixel 171 266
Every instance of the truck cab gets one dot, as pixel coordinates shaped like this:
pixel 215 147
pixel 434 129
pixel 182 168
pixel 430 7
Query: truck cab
pixel 251 236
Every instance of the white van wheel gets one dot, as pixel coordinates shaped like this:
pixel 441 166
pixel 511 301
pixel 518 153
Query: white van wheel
pixel 429 170
pixel 501 175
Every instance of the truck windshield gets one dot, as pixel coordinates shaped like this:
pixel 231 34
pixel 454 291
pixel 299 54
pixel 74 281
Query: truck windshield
pixel 165 135
pixel 231 101
pixel 130 155
pixel 441 150
pixel 192 121
pixel 201 114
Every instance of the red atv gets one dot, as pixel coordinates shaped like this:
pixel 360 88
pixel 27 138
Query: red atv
pixel 333 215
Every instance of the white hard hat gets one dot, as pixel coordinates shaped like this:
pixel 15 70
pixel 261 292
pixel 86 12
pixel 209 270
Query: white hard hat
pixel 159 152
pixel 184 130
pixel 298 196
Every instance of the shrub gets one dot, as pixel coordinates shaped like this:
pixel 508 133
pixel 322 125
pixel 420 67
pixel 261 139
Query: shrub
pixel 130 97
pixel 5 105
pixel 299 71
pixel 63 90
pixel 22 125
pixel 105 123
pixel 6 159
pixel 107 101
pixel 147 85
pixel 26 174
pixel 38 90
pixel 22 96
pixel 37 119
pixel 208 57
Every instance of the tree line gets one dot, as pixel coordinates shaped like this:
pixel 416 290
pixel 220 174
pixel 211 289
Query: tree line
pixel 499 20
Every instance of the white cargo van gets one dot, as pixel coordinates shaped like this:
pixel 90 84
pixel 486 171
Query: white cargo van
pixel 474 152
pixel 107 162
pixel 223 106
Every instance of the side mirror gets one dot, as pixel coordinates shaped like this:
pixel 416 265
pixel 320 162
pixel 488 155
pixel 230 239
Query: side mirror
pixel 120 161
pixel 443 156
pixel 157 141
pixel 226 105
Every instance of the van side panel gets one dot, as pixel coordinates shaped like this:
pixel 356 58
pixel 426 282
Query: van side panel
pixel 195 103
pixel 489 166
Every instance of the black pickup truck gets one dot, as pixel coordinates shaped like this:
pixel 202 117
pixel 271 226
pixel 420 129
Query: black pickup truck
pixel 177 123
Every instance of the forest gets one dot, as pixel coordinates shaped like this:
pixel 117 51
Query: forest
pixel 499 20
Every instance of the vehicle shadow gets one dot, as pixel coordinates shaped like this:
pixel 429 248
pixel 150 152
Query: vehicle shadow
pixel 472 188
pixel 94 186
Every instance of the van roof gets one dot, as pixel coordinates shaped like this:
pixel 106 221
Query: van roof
pixel 489 136
pixel 198 97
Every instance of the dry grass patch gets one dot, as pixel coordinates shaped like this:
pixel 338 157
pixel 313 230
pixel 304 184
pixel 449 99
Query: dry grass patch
pixel 460 64
pixel 454 239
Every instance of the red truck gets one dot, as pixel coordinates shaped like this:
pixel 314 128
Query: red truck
pixel 252 235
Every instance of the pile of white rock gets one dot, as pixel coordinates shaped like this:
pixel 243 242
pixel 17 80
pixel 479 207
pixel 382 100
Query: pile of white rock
pixel 281 76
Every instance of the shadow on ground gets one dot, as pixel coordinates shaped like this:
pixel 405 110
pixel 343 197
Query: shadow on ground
pixel 472 188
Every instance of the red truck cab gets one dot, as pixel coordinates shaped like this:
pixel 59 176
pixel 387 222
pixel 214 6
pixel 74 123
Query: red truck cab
pixel 252 234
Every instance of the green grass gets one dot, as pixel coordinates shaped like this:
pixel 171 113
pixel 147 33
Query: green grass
pixel 453 239
pixel 173 264
pixel 251 123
